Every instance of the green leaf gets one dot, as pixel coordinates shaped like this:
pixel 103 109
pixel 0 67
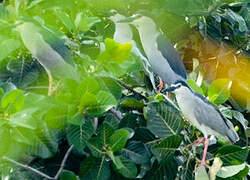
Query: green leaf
pixel 7 47
pixel 65 19
pixel 92 168
pixel 136 152
pixel 166 147
pixel 88 85
pixel 24 118
pixel 201 174
pixel 68 175
pixel 163 120
pixel 44 142
pixel 96 147
pixel 110 85
pixel 119 139
pixel 87 100
pixel 229 171
pixel 219 91
pixel 56 117
pixel 13 101
pixel 132 103
pixel 128 169
pixel 105 132
pixel 232 155
pixel 195 87
pixel 115 51
pixel 105 102
pixel 79 135
pixel 84 23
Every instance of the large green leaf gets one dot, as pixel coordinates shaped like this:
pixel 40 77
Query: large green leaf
pixel 229 171
pixel 96 169
pixel 119 139
pixel 232 155
pixel 136 152
pixel 109 84
pixel 79 135
pixel 105 102
pixel 166 147
pixel 128 169
pixel 163 119
pixel 44 143
pixel 24 118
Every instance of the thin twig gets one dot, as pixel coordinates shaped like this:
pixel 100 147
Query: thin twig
pixel 130 89
pixel 27 167
pixel 39 172
pixel 50 89
pixel 63 162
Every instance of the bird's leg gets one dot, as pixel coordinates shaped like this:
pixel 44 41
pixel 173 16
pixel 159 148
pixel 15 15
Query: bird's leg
pixel 160 86
pixel 203 161
pixel 198 141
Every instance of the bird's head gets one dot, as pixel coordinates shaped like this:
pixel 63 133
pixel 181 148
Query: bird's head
pixel 177 87
pixel 138 20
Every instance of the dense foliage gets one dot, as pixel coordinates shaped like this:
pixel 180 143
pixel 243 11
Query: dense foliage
pixel 72 97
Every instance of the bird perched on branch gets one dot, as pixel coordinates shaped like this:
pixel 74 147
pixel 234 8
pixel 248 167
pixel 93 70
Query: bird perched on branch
pixel 161 54
pixel 202 114
pixel 124 34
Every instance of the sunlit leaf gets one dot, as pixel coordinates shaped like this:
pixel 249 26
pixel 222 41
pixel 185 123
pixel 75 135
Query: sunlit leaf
pixel 229 171
pixel 219 91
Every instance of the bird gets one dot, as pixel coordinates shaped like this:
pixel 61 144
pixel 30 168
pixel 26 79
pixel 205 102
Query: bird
pixel 162 56
pixel 203 114
pixel 49 50
pixel 124 34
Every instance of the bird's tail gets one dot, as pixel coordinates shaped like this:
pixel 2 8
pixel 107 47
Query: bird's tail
pixel 231 133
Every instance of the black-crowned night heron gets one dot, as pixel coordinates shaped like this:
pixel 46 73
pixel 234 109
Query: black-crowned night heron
pixel 124 34
pixel 162 56
pixel 202 114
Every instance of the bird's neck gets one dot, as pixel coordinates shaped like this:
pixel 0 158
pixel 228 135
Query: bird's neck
pixel 148 34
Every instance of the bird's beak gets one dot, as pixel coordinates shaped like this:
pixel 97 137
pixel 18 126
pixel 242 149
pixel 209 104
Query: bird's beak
pixel 128 19
pixel 169 89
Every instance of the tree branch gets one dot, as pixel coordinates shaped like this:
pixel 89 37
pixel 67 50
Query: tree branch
pixel 39 172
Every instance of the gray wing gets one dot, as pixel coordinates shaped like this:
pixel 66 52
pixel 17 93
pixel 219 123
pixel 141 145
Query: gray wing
pixel 170 53
pixel 206 113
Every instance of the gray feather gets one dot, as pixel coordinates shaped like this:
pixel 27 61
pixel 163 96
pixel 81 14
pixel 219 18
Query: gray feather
pixel 172 56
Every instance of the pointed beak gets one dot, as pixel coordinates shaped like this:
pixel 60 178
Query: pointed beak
pixel 169 89
pixel 129 19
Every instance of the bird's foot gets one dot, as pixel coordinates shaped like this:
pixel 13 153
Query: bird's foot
pixel 160 86
pixel 198 141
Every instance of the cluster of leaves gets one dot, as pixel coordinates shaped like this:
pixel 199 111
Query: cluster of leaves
pixel 97 99
pixel 229 23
